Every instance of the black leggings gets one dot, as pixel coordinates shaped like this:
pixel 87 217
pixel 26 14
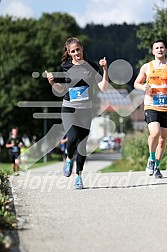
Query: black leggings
pixel 77 123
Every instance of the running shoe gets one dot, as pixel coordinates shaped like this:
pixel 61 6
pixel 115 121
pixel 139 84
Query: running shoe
pixel 67 169
pixel 150 167
pixel 157 173
pixel 78 183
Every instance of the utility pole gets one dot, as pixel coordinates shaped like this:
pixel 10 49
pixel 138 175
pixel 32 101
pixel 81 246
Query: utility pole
pixel 45 128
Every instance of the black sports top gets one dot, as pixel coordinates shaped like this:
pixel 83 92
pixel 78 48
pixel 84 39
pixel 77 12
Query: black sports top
pixel 79 79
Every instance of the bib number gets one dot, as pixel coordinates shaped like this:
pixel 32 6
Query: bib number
pixel 160 100
pixel 79 93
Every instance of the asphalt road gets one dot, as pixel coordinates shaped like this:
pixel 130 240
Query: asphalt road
pixel 105 155
pixel 115 212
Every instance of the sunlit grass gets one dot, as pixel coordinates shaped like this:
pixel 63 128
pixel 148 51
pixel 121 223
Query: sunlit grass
pixel 120 166
pixel 8 169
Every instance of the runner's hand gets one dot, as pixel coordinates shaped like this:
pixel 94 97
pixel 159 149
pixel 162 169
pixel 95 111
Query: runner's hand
pixel 148 89
pixel 50 77
pixel 103 63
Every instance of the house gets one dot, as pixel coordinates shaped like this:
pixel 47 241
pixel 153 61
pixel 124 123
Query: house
pixel 125 104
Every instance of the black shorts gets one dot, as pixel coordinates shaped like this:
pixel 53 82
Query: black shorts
pixel 14 156
pixel 156 116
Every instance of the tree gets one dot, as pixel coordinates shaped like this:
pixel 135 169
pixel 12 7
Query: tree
pixel 27 46
pixel 127 122
pixel 17 56
pixel 150 32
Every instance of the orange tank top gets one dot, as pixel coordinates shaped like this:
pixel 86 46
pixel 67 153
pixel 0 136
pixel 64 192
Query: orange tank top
pixel 157 79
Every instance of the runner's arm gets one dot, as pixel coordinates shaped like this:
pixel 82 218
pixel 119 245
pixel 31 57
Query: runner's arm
pixel 141 78
pixel 103 85
pixel 57 86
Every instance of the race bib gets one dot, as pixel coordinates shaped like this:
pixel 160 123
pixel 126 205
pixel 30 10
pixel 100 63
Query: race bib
pixel 15 149
pixel 160 100
pixel 78 93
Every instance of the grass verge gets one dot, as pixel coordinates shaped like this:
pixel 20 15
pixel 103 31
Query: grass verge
pixel 120 166
pixel 6 167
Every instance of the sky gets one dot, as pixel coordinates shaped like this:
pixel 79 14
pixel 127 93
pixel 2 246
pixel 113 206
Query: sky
pixel 104 12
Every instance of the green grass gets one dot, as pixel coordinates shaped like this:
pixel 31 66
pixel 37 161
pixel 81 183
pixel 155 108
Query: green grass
pixel 41 163
pixel 120 166
pixel 117 166
pixel 7 166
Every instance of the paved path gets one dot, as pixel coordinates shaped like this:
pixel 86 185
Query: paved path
pixel 116 212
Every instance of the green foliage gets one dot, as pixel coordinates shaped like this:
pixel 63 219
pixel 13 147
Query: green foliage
pixel 6 167
pixel 7 217
pixel 148 33
pixel 135 154
pixel 119 166
pixel 127 123
pixel 27 46
pixel 163 163
pixel 5 242
pixel 30 45
pixel 135 149
pixel 115 42
pixel 3 176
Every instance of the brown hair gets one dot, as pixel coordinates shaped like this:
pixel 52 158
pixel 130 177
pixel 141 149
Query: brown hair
pixel 160 40
pixel 73 40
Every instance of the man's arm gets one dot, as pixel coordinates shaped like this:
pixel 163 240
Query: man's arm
pixel 139 82
pixel 8 143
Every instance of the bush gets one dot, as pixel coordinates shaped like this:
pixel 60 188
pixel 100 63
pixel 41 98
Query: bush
pixel 7 217
pixel 135 149
pixel 163 163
